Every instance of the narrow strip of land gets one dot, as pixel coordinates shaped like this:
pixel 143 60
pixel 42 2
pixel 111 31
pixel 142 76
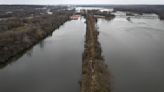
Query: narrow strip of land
pixel 95 77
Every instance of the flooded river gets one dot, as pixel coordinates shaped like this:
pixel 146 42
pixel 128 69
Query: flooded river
pixel 53 65
pixel 134 53
pixel 133 49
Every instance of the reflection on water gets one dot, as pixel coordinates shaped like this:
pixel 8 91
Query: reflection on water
pixel 53 65
pixel 29 53
pixel 133 49
pixel 41 44
pixel 134 53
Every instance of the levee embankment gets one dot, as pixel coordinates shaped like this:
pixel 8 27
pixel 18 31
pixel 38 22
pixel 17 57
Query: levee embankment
pixel 95 76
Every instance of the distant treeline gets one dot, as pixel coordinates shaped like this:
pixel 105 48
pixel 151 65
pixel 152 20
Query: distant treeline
pixel 97 13
pixel 26 10
pixel 157 9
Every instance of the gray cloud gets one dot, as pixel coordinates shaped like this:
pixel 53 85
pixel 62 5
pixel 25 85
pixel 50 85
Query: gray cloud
pixel 81 1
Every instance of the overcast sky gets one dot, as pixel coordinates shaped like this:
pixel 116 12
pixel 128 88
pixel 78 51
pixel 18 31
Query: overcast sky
pixel 81 1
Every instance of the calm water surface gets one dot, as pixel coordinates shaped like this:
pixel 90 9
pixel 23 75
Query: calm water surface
pixel 133 50
pixel 54 65
pixel 134 53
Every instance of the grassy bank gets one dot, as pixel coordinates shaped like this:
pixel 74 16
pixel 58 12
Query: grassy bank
pixel 95 76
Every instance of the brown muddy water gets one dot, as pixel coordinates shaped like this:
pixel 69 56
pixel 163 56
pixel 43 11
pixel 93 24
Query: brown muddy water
pixel 54 65
pixel 134 53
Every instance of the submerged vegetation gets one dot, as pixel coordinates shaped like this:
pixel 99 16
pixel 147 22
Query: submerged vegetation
pixel 140 9
pixel 98 14
pixel 21 27
pixel 20 33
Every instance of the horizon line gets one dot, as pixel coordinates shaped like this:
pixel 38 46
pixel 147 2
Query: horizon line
pixel 81 4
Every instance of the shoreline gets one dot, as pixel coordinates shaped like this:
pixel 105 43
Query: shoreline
pixel 22 41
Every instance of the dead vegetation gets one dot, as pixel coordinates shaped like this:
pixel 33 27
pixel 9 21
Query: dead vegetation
pixel 95 75
pixel 18 34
